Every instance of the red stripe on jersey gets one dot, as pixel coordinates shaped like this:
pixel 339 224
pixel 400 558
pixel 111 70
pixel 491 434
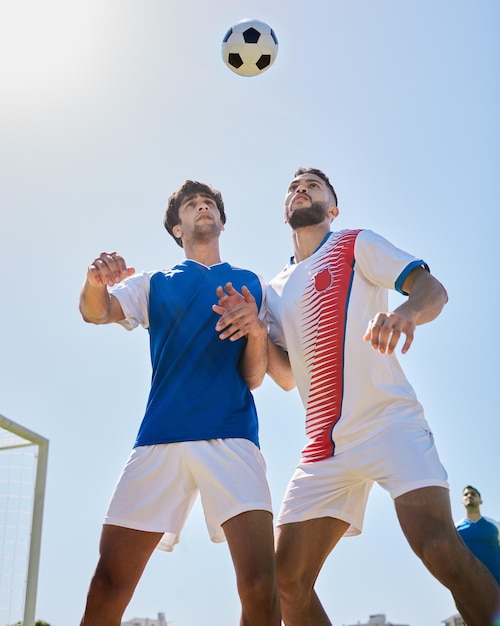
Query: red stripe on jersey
pixel 324 313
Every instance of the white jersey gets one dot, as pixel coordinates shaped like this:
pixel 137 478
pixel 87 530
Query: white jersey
pixel 319 310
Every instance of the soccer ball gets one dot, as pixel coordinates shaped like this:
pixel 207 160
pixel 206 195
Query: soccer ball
pixel 249 48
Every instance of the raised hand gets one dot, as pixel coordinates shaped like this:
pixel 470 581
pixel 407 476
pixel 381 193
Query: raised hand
pixel 239 315
pixel 108 269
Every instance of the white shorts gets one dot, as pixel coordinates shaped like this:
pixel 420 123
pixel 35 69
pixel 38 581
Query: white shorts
pixel 400 459
pixel 159 485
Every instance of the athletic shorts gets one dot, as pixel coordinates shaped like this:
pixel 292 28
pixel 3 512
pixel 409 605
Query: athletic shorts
pixel 160 483
pixel 400 459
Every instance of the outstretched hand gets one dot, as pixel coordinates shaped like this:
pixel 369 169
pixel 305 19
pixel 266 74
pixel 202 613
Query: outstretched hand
pixel 238 311
pixel 108 269
pixel 385 330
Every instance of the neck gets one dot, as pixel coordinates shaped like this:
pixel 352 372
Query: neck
pixel 307 239
pixel 473 514
pixel 207 253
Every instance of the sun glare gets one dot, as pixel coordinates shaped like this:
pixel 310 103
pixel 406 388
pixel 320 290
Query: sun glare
pixel 48 50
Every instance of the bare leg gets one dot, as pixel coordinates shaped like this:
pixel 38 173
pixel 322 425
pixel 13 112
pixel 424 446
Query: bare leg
pixel 123 557
pixel 426 520
pixel 251 543
pixel 302 548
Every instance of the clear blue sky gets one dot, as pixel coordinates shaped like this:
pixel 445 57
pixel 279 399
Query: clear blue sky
pixel 106 107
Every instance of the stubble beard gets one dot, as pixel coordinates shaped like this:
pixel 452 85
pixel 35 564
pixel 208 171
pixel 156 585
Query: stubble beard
pixel 308 216
pixel 205 232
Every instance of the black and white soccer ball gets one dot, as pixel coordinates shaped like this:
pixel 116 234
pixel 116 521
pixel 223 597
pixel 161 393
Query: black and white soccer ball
pixel 249 48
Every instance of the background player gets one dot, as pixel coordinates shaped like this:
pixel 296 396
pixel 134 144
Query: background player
pixel 480 534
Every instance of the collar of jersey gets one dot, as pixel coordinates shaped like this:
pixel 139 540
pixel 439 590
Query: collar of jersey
pixel 292 258
pixel 208 267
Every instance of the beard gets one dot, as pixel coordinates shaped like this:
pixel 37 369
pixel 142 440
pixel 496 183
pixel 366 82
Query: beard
pixel 206 231
pixel 308 216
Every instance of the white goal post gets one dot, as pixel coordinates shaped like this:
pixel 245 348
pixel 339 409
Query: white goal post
pixel 23 471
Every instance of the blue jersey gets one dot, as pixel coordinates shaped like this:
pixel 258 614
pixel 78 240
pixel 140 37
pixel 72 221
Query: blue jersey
pixel 197 391
pixel 481 538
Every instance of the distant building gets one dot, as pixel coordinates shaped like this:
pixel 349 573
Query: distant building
pixel 147 621
pixel 454 620
pixel 379 620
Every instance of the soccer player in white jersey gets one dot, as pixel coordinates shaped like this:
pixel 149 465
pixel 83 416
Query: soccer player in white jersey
pixel 363 421
pixel 199 433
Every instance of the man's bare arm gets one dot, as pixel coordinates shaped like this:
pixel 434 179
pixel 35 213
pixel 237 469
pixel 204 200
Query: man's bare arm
pixel 426 299
pixel 239 318
pixel 97 305
pixel 278 366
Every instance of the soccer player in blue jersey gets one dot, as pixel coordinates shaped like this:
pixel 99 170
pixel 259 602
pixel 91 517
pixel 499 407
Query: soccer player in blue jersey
pixel 199 433
pixel 480 534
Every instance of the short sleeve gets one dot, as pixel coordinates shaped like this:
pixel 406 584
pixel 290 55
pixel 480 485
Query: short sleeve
pixel 382 263
pixel 133 296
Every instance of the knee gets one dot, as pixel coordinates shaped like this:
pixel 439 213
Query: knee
pixel 441 554
pixel 108 585
pixel 290 582
pixel 434 550
pixel 104 600
pixel 258 588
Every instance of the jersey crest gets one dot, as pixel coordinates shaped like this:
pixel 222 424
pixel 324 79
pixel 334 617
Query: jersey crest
pixel 323 280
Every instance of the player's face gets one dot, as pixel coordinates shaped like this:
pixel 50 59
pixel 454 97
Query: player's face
pixel 470 497
pixel 199 217
pixel 308 201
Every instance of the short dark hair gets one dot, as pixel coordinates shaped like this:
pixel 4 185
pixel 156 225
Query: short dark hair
pixel 473 489
pixel 189 187
pixel 320 174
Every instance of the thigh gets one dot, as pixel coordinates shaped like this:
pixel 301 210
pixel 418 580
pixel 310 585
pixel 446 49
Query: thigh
pixel 124 553
pixel 154 493
pixel 329 488
pixel 425 516
pixel 251 543
pixel 302 547
pixel 231 477
pixel 403 459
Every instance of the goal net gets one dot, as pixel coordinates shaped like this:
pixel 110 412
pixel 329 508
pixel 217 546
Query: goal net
pixel 23 468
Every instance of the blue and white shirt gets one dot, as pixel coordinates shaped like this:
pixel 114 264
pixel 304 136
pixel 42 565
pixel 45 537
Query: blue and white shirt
pixel 482 538
pixel 197 391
